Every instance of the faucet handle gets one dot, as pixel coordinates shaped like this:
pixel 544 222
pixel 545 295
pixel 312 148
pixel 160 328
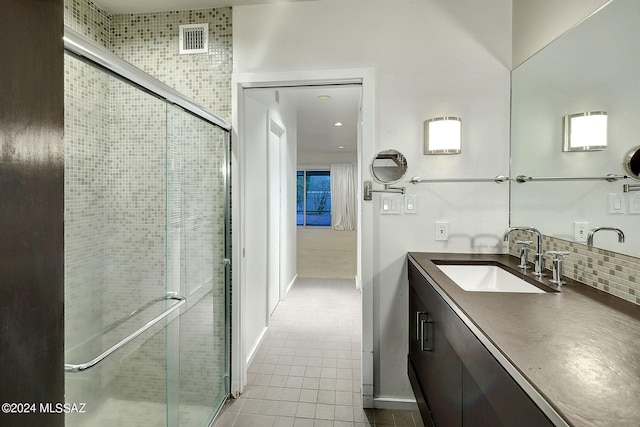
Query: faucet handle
pixel 524 250
pixel 557 266
pixel 557 254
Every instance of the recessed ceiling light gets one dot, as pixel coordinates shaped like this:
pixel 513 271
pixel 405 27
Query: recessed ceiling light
pixel 340 147
pixel 324 98
pixel 337 124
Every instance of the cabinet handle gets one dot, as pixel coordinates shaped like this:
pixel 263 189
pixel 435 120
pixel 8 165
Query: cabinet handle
pixel 419 315
pixel 425 325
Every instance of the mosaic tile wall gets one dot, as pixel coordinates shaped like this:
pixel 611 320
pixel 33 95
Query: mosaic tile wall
pixel 116 208
pixel 89 20
pixel 150 42
pixel 608 271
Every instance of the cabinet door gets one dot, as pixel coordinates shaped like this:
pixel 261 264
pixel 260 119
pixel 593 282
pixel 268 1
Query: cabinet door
pixel 418 359
pixel 437 366
pixel 476 409
pixel 501 396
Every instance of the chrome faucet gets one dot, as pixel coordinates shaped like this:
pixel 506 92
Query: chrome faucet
pixel 538 265
pixel 595 230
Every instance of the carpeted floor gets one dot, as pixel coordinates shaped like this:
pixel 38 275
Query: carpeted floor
pixel 326 253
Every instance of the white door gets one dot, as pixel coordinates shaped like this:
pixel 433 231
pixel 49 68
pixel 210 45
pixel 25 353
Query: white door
pixel 274 185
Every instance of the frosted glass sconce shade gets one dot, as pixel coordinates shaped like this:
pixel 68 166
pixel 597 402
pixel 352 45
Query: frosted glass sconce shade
pixel 585 131
pixel 443 135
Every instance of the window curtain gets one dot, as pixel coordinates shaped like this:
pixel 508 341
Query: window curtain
pixel 343 196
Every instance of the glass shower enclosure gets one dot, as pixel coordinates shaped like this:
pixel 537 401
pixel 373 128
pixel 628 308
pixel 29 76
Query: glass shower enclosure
pixel 146 248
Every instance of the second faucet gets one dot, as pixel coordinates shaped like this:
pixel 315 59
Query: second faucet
pixel 538 265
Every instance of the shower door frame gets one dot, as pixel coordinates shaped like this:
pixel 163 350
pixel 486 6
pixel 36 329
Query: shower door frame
pixel 80 47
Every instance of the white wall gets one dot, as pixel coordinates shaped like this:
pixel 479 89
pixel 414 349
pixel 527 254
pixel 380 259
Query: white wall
pixel 310 160
pixel 254 234
pixel 538 23
pixel 430 58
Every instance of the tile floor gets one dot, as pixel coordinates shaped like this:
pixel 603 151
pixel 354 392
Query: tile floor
pixel 306 373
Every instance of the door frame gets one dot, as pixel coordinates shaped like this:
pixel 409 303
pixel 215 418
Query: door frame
pixel 365 151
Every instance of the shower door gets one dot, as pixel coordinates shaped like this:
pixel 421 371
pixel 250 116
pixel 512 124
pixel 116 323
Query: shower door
pixel 146 293
pixel 197 216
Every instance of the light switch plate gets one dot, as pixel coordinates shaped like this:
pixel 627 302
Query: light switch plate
pixel 634 204
pixel 616 204
pixel 390 205
pixel 410 204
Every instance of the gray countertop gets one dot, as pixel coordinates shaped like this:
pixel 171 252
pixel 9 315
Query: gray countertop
pixel 579 348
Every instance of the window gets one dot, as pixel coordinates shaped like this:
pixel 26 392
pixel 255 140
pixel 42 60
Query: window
pixel 313 198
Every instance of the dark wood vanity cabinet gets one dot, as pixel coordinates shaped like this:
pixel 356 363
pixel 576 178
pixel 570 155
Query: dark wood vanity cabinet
pixel 436 365
pixel 456 380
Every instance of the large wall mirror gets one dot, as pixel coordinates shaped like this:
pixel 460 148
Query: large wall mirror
pixel 595 66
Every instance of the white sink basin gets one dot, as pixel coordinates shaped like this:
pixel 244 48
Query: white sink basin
pixel 487 278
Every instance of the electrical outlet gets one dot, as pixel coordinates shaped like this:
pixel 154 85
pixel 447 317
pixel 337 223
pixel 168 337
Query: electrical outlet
pixel 442 230
pixel 580 231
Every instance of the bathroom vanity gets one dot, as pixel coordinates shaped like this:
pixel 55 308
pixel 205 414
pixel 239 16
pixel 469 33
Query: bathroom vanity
pixel 567 356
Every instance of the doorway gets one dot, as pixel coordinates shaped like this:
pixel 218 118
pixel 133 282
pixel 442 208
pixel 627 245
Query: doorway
pixel 249 119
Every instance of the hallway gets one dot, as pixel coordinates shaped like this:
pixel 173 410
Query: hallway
pixel 326 253
pixel 307 370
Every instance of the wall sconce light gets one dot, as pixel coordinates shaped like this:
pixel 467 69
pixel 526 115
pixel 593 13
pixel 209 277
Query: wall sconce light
pixel 443 135
pixel 585 131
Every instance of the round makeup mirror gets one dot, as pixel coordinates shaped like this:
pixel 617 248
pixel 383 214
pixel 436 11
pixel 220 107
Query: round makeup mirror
pixel 389 167
pixel 631 162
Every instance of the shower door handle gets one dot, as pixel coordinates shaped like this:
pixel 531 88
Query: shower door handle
pixel 126 340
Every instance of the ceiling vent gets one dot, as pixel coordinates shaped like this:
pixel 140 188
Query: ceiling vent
pixel 194 38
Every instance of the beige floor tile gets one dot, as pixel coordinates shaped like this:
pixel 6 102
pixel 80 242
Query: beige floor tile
pixel 307 370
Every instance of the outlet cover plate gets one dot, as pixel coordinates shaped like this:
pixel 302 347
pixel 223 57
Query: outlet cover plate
pixel 580 231
pixel 442 230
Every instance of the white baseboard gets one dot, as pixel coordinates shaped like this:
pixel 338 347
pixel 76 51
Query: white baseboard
pixel 291 284
pixel 255 347
pixel 395 404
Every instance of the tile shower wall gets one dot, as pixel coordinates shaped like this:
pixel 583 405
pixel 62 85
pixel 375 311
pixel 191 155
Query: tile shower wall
pixel 116 229
pixel 89 20
pixel 150 42
pixel 605 270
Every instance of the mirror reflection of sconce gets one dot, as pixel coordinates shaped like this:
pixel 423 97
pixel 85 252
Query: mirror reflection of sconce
pixel 443 135
pixel 585 131
pixel 388 167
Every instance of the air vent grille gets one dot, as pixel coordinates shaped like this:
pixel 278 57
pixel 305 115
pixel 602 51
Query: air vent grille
pixel 194 38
